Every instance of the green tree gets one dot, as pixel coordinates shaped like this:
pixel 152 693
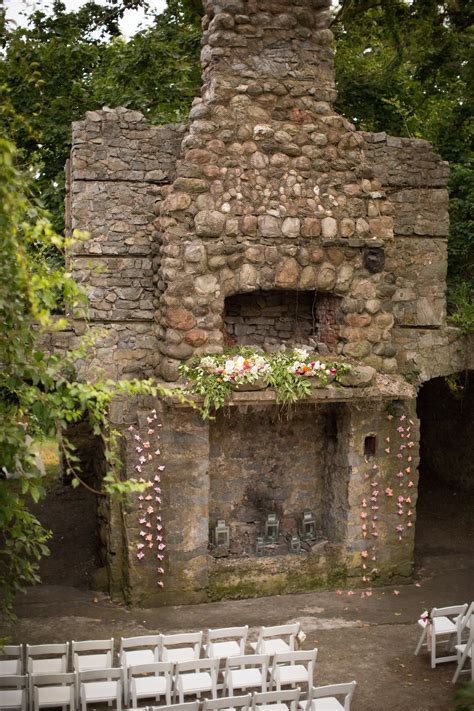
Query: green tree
pixel 40 394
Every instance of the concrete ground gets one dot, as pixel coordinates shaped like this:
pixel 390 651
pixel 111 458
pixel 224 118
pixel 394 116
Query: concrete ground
pixel 370 639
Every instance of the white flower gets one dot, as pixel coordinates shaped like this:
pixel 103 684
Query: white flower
pixel 229 366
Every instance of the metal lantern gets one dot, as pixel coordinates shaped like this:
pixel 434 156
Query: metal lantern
pixel 222 534
pixel 272 528
pixel 308 527
pixel 295 544
pixel 260 547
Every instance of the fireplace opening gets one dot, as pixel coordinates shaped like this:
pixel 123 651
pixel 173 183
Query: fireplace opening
pixel 271 318
pixel 298 480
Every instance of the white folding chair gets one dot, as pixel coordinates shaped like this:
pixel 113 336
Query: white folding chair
pixel 150 681
pixel 181 647
pixel 465 650
pixel 11 660
pixel 293 668
pixel 98 686
pixel 324 698
pixel 46 659
pixel 226 642
pixel 195 677
pixel 137 650
pixel 464 624
pixel 54 690
pixel 13 691
pixel 92 654
pixel 228 703
pixel 286 700
pixel 443 627
pixel 279 639
pixel 246 672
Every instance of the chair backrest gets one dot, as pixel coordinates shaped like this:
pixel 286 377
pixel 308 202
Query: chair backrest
pixel 248 660
pixel 198 665
pixel 269 698
pixel 110 674
pixel 93 645
pixel 448 611
pixel 303 656
pixel 11 659
pixel 191 706
pixel 62 679
pixel 155 669
pixel 281 631
pixel 186 639
pixel 225 633
pixel 321 692
pixel 13 681
pixel 41 657
pixel 229 702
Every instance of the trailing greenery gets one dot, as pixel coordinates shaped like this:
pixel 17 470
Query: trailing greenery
pixel 288 372
pixel 40 395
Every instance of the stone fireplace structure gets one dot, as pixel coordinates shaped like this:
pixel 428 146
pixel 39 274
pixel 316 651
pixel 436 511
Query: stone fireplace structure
pixel 266 220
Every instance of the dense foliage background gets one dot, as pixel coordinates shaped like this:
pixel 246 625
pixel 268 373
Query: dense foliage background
pixel 402 66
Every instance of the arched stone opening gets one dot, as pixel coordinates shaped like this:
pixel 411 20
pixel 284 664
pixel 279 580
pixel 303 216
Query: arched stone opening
pixel 269 318
pixel 445 408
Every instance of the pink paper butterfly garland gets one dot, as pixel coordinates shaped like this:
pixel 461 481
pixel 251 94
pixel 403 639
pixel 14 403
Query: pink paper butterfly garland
pixel 149 500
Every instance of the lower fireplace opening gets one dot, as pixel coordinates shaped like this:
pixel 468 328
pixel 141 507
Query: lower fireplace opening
pixel 271 318
pixel 300 470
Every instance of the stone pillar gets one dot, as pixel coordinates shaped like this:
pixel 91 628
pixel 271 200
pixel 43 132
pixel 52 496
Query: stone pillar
pixel 382 490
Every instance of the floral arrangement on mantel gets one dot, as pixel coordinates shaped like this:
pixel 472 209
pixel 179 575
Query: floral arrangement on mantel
pixel 289 372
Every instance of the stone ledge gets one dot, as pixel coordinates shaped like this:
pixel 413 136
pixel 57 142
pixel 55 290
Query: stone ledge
pixel 387 387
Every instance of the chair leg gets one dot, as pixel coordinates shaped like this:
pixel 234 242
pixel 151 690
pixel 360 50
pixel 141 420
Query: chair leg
pixel 433 650
pixel 421 640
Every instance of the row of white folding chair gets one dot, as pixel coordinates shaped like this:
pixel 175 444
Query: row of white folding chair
pixel 446 627
pixel 65 689
pixel 54 658
pixel 333 697
pixel 201 675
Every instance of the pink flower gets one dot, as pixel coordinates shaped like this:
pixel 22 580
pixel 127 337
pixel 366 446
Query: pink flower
pixel 148 524
pixel 137 437
pixel 388 491
pixel 142 459
pixel 160 570
pixel 157 477
pixel 400 499
pixel 364 554
pixel 399 456
pixel 142 533
pixel 161 546
pixel 140 545
pixel 140 555
pixel 142 520
pixel 138 468
pixel 149 420
pixel 363 514
pixel 138 449
pixel 159 556
pixel 161 467
pixel 141 497
pixel 146 445
pixel 403 417
pixel 161 584
pixel 410 484
pixel 150 545
pixel 150 431
pixel 387 449
pixel 148 497
pixel 150 510
pixel 149 537
pixel 131 428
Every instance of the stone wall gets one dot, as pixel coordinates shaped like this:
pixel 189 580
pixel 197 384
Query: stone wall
pixel 118 167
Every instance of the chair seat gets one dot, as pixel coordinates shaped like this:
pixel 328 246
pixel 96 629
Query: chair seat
pixel 99 690
pixel 10 667
pixel 443 625
pixel 87 662
pixel 9 698
pixel 149 685
pixel 223 649
pixel 54 695
pixel 245 678
pixel 181 654
pixel 328 704
pixel 195 682
pixel 138 656
pixel 292 674
pixel 461 647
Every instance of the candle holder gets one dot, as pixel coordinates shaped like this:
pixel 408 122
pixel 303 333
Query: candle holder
pixel 295 544
pixel 222 534
pixel 308 526
pixel 272 528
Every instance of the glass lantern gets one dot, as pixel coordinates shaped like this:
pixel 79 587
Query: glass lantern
pixel 222 534
pixel 272 528
pixel 295 544
pixel 260 547
pixel 308 526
